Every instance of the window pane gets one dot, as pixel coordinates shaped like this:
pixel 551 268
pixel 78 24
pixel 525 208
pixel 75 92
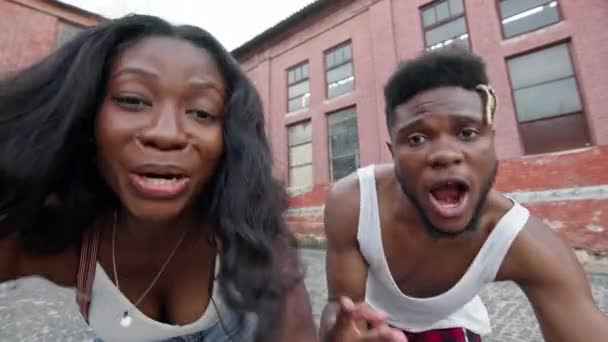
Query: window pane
pixel 330 60
pixel 300 177
pixel 541 66
pixel 343 142
pixel 298 103
pixel 547 100
pixel 456 7
pixel 290 77
pixel 341 87
pixel 443 11
pixel 298 89
pixel 299 133
pixel 339 56
pixel 510 8
pixel 300 155
pixel 67 32
pixel 344 138
pixel 547 16
pixel 340 73
pixel 555 134
pixel 338 117
pixel 428 17
pixel 348 52
pixel 305 70
pixel 342 167
pixel 446 31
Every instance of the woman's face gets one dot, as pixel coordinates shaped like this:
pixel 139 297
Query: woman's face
pixel 159 131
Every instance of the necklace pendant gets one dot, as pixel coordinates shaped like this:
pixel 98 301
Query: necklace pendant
pixel 126 320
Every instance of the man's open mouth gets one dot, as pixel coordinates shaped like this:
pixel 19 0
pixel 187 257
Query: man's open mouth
pixel 449 197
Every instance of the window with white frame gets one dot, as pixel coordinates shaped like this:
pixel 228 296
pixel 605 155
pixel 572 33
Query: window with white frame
pixel 299 138
pixel 339 70
pixel 298 87
pixel 343 143
pixel 521 16
pixel 444 23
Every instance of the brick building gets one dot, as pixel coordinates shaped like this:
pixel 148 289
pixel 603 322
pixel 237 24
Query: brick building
pixel 321 71
pixel 31 29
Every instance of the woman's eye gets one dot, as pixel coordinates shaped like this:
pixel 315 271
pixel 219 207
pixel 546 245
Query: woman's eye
pixel 468 134
pixel 416 139
pixel 131 102
pixel 201 115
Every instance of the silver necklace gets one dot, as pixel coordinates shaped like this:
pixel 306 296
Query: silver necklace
pixel 126 319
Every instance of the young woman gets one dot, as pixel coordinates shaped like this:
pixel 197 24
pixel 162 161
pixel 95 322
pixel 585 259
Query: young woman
pixel 134 166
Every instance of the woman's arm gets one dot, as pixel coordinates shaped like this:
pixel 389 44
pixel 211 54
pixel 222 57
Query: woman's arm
pixel 9 259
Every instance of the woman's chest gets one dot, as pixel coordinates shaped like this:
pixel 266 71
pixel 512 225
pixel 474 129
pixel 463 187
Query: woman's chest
pixel 176 293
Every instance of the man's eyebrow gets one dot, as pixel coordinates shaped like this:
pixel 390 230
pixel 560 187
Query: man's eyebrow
pixel 418 120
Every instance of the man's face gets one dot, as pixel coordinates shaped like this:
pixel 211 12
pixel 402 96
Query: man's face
pixel 444 158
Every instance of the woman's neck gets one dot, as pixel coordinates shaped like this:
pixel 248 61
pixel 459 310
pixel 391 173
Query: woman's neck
pixel 139 233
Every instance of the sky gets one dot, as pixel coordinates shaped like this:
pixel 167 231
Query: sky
pixel 232 22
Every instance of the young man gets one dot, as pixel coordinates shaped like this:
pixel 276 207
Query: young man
pixel 411 244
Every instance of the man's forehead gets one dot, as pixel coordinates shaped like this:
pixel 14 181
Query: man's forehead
pixel 445 100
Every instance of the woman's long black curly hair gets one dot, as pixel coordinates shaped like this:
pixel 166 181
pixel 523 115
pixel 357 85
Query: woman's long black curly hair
pixel 51 191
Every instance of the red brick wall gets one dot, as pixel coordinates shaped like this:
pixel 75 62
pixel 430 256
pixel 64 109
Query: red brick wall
pixel 29 30
pixel 26 36
pixel 583 223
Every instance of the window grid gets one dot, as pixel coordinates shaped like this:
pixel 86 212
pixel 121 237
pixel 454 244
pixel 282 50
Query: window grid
pixel 293 145
pixel 456 11
pixel 337 123
pixel 535 15
pixel 298 76
pixel 343 85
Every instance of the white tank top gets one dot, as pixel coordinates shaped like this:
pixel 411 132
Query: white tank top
pixel 108 305
pixel 458 307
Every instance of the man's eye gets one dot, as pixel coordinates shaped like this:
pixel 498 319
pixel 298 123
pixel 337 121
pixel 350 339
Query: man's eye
pixel 416 139
pixel 468 134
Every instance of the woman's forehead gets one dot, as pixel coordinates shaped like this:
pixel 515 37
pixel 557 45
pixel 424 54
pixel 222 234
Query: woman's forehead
pixel 167 55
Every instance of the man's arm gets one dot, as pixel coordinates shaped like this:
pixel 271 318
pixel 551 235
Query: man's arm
pixel 346 268
pixel 553 280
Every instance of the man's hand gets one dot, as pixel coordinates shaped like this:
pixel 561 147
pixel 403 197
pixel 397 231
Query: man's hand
pixel 351 325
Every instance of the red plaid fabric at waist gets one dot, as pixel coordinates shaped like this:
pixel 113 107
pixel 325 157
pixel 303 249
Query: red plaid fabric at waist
pixel 444 335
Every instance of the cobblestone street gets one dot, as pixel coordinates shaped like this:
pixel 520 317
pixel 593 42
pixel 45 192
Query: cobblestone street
pixel 32 310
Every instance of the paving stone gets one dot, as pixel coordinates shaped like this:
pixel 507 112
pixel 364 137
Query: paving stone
pixel 34 310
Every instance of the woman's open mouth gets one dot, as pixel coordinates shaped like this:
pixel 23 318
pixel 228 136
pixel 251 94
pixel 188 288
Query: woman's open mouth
pixel 449 197
pixel 159 182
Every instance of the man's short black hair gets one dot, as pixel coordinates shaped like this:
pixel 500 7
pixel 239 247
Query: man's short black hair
pixel 452 66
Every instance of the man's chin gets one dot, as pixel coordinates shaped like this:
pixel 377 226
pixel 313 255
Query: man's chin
pixel 448 227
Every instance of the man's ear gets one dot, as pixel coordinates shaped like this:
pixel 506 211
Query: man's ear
pixel 390 148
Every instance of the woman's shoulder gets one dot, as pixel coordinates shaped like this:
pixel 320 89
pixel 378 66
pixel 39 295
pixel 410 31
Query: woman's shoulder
pixel 15 262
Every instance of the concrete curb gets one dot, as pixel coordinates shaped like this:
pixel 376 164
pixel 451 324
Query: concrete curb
pixel 591 263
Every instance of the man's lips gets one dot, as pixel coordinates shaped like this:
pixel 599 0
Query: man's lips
pixel 449 197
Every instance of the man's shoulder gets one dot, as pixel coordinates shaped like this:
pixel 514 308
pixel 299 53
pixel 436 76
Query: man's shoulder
pixel 347 189
pixel 342 205
pixel 536 249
